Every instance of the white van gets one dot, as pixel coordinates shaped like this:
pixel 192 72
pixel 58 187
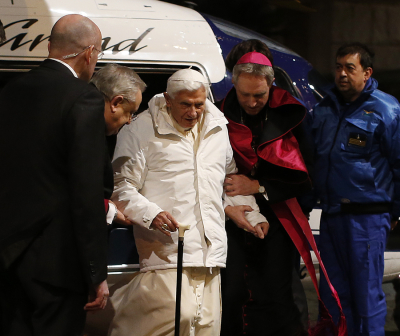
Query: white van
pixel 155 39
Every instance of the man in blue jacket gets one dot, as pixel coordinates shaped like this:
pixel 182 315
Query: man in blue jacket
pixel 357 179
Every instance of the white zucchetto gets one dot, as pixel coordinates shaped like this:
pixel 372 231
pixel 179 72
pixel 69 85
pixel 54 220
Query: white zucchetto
pixel 188 75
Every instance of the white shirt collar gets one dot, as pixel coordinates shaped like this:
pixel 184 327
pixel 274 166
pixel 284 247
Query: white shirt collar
pixel 68 66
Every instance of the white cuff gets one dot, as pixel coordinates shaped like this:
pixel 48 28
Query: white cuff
pixel 254 218
pixel 152 211
pixel 112 210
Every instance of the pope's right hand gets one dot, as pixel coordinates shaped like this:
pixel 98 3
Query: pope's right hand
pixel 164 222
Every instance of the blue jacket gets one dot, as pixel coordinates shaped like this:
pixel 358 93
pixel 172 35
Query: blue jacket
pixel 357 152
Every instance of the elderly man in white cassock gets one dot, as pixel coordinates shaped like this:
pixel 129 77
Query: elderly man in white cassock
pixel 170 166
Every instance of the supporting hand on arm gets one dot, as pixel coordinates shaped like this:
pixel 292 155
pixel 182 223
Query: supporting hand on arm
pixel 238 184
pixel 237 215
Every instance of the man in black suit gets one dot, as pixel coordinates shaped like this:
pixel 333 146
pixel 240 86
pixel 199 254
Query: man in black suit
pixel 53 235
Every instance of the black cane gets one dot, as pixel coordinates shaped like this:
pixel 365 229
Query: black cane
pixel 182 229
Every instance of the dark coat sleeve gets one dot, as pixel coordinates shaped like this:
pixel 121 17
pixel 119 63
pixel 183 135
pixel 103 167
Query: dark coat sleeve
pixel 85 129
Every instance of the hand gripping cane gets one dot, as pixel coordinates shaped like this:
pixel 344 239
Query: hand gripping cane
pixel 182 229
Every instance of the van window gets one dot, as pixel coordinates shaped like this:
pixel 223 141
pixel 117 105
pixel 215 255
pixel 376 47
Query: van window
pixel 283 81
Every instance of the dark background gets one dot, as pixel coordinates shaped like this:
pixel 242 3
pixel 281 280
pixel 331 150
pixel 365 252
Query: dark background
pixel 316 28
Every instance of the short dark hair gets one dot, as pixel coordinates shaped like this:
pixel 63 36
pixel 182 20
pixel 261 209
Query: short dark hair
pixel 365 54
pixel 245 47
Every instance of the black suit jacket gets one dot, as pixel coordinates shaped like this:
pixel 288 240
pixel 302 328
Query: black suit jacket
pixel 52 154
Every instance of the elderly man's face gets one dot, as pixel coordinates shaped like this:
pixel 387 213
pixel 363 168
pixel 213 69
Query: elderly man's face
pixel 252 92
pixel 119 111
pixel 187 106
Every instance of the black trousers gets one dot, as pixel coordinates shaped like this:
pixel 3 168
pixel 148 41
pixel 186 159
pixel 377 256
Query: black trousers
pixel 32 308
pixel 257 297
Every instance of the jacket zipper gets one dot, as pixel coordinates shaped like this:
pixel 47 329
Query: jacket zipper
pixel 328 188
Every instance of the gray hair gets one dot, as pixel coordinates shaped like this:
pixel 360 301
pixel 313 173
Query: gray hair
pixel 253 69
pixel 114 80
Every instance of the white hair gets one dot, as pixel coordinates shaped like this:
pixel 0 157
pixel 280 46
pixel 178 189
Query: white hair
pixel 186 80
pixel 175 86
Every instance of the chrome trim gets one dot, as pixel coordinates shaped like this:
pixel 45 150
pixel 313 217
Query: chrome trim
pixel 123 266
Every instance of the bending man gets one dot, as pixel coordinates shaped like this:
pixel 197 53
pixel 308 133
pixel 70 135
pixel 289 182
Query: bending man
pixel 122 90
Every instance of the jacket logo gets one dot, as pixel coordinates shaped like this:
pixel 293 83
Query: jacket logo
pixel 357 139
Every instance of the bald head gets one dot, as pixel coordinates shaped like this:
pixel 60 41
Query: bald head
pixel 72 33
pixel 76 40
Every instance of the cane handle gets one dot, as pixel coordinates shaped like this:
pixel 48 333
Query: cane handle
pixel 182 228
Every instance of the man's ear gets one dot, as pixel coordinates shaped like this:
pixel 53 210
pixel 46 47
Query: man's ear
pixel 167 99
pixel 367 73
pixel 115 101
pixel 89 54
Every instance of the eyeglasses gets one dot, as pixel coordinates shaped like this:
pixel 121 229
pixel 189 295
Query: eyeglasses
pixel 134 115
pixel 99 55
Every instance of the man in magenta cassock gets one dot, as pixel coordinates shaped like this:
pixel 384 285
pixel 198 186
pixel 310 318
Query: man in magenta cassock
pixel 270 149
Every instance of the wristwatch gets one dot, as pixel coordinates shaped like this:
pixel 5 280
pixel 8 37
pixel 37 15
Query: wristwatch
pixel 261 189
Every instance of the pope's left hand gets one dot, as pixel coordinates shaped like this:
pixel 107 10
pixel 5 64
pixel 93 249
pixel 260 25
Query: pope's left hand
pixel 262 229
